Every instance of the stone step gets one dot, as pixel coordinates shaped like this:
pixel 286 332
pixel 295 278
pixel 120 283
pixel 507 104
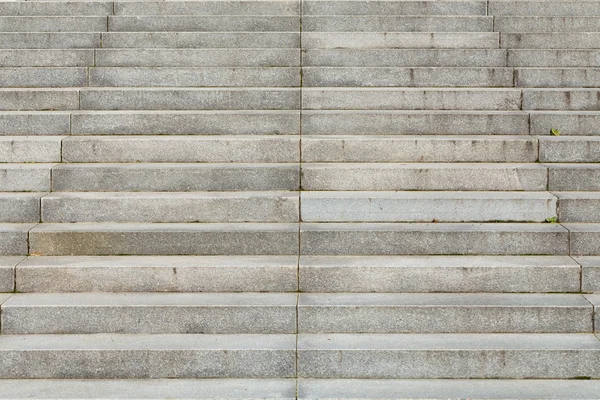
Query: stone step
pixel 46 58
pixel 406 58
pixel 414 274
pixel 20 207
pixel 48 40
pixel 584 239
pixel 362 7
pixel 13 239
pixel 435 239
pixel 211 7
pixel 148 356
pixel 35 123
pixel 158 313
pixel 148 177
pixel 532 24
pixel 52 24
pixel 543 8
pixel 208 389
pixel 550 40
pixel 569 149
pixel 40 77
pixel 423 176
pixel 448 356
pixel 395 23
pixel 261 122
pixel 413 99
pixel 190 99
pixel 159 274
pixel 440 389
pixel 557 77
pixel 38 99
pixel 30 149
pixel 203 23
pixel 428 206
pixel 432 40
pixel 388 122
pixel 554 57
pixel 578 206
pixel 194 77
pixel 200 39
pixel 25 177
pixel 56 8
pixel 590 274
pixel 7 272
pixel 191 149
pixel 561 99
pixel 408 77
pixel 428 149
pixel 171 207
pixel 164 239
pixel 567 122
pixel 272 57
pixel 573 177
pixel 401 313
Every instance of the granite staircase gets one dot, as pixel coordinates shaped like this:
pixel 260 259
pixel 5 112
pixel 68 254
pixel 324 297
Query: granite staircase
pixel 300 199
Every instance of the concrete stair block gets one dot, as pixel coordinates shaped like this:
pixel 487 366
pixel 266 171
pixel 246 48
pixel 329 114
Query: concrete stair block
pixel 395 23
pixel 48 40
pixel 52 24
pixel 595 300
pixel 14 239
pixel 56 8
pixel 584 239
pixel 557 77
pixel 434 239
pixel 38 99
pixel 543 8
pixel 283 8
pixel 561 99
pixel 590 273
pixel 171 207
pixel 22 77
pixel 448 356
pixel 29 149
pixel 20 207
pixel 335 7
pixel 423 274
pixel 569 149
pixel 140 177
pixel 46 58
pixel 573 177
pixel 201 23
pixel 7 272
pixel 550 40
pixel 152 313
pixel 561 58
pixel 422 176
pixel 25 177
pixel 164 239
pixel 147 356
pixel 568 122
pixel 578 206
pixel 427 313
pixel 34 123
pixel 547 23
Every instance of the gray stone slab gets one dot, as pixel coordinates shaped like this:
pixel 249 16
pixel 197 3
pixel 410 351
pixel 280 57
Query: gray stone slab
pixel 452 40
pixel 448 388
pixel 561 99
pixel 407 77
pixel 164 239
pixel 557 77
pixel 20 207
pixel 569 123
pixel 157 149
pixel 422 176
pixel 335 7
pixel 384 23
pixel 21 149
pixel 573 177
pixel 196 57
pixel 578 206
pixel 550 40
pixel 203 23
pixel 200 39
pixel 25 177
pixel 7 272
pixel 52 24
pixel 173 177
pixel 434 313
pixel 433 238
pixel 171 207
pixel 564 58
pixel 252 389
pixel 190 99
pixel 194 77
pixel 34 123
pixel 42 77
pixel 399 274
pixel 14 239
pixel 414 123
pixel 56 8
pixel 560 23
pixel 48 40
pixel 595 300
pixel 427 206
pixel 543 8
pixel 286 7
pixel 159 274
pixel 46 58
pixel 390 148
pixel 411 99
pixel 147 356
pixel 584 239
pixel 156 313
pixel 405 57
pixel 38 99
pixel 263 122
pixel 590 273
pixel 448 356
pixel 569 149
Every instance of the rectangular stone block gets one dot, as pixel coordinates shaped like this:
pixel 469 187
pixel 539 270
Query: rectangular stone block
pixel 546 24
pixel 25 177
pixel 550 40
pixel 584 239
pixel 38 99
pixel 19 149
pixel 14 239
pixel 52 24
pixel 46 58
pixel 567 122
pixel 56 8
pixel 201 23
pixel 561 99
pixel 336 7
pixel 159 274
pixel 555 58
pixel 285 7
pixel 557 77
pixel 590 273
pixel 433 238
pixel 573 177
pixel 48 40
pixel 42 77
pixel 578 206
pixel 164 239
pixel 7 272
pixel 462 274
pixel 385 23
pixel 20 207
pixel 544 8
pixel 569 149
pixel 35 123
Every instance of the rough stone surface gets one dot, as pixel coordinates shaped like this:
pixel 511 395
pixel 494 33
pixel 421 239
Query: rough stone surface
pixel 590 273
pixel 30 149
pixel 578 206
pixel 573 177
pixel 570 149
pixel 20 207
pixel 584 239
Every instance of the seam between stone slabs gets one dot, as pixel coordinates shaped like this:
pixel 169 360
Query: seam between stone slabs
pixel 580 271
pixel 28 238
pixel 569 243
pixel 15 271
pixel 593 313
